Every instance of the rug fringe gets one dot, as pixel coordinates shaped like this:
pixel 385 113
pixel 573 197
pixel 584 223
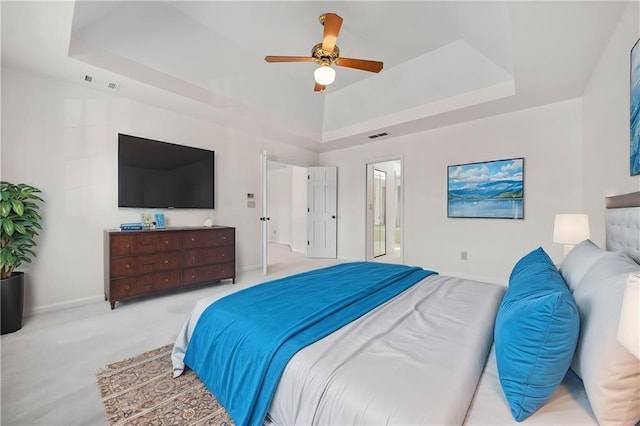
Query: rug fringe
pixel 157 353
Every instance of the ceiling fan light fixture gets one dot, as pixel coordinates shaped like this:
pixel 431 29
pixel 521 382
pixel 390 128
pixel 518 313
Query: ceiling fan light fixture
pixel 324 75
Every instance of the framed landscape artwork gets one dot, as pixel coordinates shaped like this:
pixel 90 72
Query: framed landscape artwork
pixel 490 189
pixel 635 109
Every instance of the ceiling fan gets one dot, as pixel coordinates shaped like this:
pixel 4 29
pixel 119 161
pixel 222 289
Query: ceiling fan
pixel 326 53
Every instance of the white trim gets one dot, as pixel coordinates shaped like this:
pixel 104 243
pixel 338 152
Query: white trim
pixel 286 161
pixel 250 268
pixel 65 305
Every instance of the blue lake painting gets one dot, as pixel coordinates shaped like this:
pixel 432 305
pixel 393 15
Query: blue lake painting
pixel 635 109
pixel 492 189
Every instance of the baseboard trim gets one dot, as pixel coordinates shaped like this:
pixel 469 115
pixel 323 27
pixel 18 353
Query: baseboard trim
pixel 64 305
pixel 250 268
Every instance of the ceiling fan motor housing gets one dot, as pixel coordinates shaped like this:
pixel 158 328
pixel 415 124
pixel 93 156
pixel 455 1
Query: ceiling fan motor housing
pixel 323 57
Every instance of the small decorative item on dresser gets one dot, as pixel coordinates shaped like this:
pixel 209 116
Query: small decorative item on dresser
pixel 147 220
pixel 159 220
pixel 131 226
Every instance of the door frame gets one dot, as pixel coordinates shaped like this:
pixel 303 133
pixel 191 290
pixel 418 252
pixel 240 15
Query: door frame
pixel 372 162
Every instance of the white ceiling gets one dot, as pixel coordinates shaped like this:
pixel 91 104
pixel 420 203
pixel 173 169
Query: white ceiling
pixel 444 61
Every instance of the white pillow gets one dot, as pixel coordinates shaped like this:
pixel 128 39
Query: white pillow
pixel 578 261
pixel 610 373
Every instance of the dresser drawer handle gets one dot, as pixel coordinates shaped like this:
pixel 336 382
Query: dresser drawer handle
pixel 126 245
pixel 166 280
pixel 224 237
pixel 127 266
pixel 193 276
pixel 127 287
pixel 166 241
pixel 166 261
pixel 193 238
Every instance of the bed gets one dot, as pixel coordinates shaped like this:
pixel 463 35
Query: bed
pixel 440 350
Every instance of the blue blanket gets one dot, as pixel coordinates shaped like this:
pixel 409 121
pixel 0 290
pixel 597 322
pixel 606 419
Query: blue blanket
pixel 242 343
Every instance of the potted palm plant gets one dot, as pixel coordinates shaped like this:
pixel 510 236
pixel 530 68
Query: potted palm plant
pixel 19 222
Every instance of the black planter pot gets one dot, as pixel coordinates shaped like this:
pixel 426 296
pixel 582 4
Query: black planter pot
pixel 12 298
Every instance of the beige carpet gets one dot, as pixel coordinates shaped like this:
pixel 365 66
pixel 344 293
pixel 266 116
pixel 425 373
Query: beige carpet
pixel 142 391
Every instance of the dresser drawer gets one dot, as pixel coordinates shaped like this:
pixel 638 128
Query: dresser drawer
pixel 208 255
pixel 141 242
pixel 208 238
pixel 132 265
pixel 144 284
pixel 203 274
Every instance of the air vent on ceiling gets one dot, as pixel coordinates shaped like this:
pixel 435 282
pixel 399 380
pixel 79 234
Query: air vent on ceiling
pixel 378 135
pixel 100 83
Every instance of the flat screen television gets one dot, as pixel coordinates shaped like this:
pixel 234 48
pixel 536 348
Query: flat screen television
pixel 155 174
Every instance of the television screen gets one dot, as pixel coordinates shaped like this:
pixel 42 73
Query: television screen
pixel 154 174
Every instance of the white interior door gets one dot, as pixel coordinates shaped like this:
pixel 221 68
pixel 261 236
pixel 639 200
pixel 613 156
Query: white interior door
pixel 321 212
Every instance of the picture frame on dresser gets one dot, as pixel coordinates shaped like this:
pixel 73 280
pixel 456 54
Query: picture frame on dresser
pixel 160 224
pixel 488 189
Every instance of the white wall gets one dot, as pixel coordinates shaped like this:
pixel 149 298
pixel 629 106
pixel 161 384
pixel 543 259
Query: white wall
pixel 62 138
pixel 606 124
pixel 548 137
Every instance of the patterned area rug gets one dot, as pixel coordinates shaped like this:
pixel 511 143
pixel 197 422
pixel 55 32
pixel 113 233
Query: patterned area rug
pixel 142 391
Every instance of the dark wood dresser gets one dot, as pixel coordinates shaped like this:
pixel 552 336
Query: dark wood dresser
pixel 139 263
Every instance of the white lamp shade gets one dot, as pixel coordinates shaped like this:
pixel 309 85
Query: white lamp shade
pixel 629 326
pixel 571 228
pixel 324 75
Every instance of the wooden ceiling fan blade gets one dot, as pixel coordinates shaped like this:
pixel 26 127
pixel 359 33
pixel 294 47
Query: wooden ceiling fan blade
pixel 332 24
pixel 288 58
pixel 319 87
pixel 360 64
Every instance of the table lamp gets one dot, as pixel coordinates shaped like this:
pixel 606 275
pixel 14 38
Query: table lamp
pixel 570 229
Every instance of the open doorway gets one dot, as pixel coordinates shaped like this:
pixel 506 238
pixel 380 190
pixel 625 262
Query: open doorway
pixel 290 204
pixel 287 207
pixel 384 212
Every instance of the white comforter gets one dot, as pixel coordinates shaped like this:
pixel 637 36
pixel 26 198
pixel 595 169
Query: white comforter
pixel 414 360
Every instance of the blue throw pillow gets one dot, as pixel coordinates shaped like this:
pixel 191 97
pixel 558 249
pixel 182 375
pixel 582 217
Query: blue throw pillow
pixel 535 334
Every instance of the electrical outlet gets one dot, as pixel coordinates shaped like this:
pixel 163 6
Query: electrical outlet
pixel 463 255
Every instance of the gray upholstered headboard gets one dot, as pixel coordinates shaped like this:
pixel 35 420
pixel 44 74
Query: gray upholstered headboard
pixel 623 224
